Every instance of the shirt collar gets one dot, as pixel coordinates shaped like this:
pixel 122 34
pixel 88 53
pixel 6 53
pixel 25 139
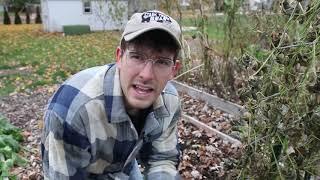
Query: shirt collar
pixel 114 103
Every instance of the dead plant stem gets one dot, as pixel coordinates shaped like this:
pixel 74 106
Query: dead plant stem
pixel 297 45
pixel 188 71
pixel 277 163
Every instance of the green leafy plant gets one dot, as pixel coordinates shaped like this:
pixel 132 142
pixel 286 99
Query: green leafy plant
pixel 6 17
pixel 17 19
pixel 10 137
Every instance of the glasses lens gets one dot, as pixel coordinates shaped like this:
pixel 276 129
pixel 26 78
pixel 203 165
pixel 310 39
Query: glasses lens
pixel 163 63
pixel 136 58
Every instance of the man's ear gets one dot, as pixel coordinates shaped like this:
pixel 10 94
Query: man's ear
pixel 118 56
pixel 176 68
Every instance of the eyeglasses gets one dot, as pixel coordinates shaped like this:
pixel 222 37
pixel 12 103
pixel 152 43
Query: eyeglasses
pixel 159 64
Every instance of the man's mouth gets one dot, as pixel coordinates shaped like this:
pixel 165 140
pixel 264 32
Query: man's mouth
pixel 142 89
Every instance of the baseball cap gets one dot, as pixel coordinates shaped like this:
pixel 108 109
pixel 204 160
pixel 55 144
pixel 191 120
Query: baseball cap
pixel 140 23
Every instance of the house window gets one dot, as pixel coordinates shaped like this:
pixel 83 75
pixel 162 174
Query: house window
pixel 87 6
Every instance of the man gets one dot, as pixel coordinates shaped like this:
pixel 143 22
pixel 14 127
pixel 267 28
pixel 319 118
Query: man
pixel 103 119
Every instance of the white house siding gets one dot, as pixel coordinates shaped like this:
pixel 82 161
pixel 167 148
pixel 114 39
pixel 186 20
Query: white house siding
pixel 44 15
pixel 57 13
pixel 255 5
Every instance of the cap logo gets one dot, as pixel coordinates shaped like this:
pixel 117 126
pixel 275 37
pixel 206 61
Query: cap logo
pixel 155 16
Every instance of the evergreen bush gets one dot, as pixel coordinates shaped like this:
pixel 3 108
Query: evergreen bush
pixel 17 19
pixel 38 17
pixel 6 18
pixel 27 16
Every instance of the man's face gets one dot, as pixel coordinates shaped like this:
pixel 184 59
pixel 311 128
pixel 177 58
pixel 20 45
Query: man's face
pixel 142 84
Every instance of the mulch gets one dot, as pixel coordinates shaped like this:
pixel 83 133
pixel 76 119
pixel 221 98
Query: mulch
pixel 204 156
pixel 25 110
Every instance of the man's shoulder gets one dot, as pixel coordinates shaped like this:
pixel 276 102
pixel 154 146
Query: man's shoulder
pixel 89 81
pixel 90 75
pixel 170 96
pixel 78 90
pixel 170 90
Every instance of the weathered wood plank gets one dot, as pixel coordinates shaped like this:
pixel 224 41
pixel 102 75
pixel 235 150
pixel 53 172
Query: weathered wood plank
pixel 211 100
pixel 209 129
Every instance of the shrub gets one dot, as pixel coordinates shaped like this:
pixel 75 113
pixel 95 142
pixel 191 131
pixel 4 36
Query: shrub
pixel 27 16
pixel 17 19
pixel 6 18
pixel 282 95
pixel 76 29
pixel 38 17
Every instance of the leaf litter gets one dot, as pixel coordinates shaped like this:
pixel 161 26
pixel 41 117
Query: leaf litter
pixel 204 155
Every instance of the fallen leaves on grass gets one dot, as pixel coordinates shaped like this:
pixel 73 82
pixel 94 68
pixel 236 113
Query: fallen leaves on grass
pixel 53 57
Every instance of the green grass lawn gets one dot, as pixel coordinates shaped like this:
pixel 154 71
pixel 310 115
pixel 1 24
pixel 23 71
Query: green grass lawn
pixel 49 57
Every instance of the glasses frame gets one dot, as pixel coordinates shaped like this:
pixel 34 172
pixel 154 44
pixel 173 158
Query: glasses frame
pixel 145 60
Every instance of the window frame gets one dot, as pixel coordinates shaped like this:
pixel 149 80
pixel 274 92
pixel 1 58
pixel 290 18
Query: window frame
pixel 86 7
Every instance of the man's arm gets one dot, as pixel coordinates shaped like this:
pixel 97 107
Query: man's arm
pixel 64 150
pixel 163 153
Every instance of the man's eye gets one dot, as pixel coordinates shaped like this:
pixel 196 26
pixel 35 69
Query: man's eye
pixel 164 62
pixel 135 56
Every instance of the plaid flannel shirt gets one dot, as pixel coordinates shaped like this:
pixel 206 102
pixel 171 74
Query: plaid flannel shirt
pixel 89 135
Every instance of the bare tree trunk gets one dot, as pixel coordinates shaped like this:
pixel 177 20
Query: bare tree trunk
pixel 168 6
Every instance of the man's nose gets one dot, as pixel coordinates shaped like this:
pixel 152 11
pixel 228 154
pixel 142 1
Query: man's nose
pixel 147 71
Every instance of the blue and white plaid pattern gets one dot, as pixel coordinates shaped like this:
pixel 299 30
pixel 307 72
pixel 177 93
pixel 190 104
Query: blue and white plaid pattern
pixel 89 135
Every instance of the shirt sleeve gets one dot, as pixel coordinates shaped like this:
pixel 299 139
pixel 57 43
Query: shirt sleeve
pixel 65 152
pixel 163 160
